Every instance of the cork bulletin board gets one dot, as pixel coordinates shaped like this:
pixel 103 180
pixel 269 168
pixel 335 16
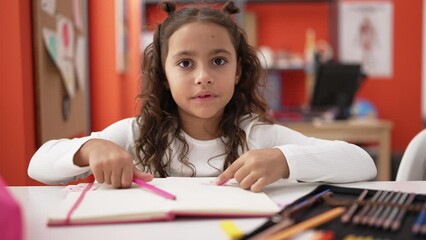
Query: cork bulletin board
pixel 61 68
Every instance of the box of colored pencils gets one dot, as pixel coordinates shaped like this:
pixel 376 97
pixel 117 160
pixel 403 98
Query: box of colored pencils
pixel 334 212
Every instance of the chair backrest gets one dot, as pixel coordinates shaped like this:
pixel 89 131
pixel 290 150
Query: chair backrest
pixel 413 162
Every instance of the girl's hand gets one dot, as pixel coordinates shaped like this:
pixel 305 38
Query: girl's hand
pixel 257 168
pixel 109 163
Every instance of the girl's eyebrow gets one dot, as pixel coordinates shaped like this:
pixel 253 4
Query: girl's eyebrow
pixel 183 53
pixel 217 51
pixel 192 53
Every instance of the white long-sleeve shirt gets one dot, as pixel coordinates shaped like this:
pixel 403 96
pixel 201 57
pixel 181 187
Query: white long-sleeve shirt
pixel 309 159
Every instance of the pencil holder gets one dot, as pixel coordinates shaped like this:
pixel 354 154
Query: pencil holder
pixel 385 210
pixel 375 214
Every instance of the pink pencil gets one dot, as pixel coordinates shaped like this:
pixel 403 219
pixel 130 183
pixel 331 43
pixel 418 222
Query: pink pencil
pixel 154 189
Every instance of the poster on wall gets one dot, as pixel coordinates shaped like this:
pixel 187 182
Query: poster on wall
pixel 365 35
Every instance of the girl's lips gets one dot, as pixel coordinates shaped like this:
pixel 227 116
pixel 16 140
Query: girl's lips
pixel 203 95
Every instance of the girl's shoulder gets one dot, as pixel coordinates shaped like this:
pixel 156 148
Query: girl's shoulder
pixel 252 125
pixel 251 121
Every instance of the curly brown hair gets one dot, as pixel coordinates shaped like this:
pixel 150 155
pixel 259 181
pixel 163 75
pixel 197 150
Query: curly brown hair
pixel 159 118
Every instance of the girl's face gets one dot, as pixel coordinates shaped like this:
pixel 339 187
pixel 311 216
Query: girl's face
pixel 201 69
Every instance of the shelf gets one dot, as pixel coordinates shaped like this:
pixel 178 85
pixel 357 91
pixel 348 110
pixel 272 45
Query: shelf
pixel 240 4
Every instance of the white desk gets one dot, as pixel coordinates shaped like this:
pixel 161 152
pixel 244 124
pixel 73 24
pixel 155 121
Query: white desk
pixel 37 202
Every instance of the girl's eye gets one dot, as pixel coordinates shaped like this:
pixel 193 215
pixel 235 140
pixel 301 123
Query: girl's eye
pixel 219 61
pixel 185 64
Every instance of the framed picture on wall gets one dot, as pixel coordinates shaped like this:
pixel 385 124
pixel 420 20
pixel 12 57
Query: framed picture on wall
pixel 365 35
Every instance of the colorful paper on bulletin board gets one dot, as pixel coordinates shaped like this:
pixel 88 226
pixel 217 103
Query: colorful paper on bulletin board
pixel 65 45
pixel 365 35
pixel 49 39
pixel 68 76
pixel 49 6
pixel 77 14
pixel 65 33
pixel 64 65
pixel 81 63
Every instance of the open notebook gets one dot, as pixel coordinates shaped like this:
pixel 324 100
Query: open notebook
pixel 195 197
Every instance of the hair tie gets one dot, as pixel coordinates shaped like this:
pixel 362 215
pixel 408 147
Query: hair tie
pixel 168 6
pixel 230 8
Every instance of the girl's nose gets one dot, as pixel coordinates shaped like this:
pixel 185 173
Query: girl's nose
pixel 204 77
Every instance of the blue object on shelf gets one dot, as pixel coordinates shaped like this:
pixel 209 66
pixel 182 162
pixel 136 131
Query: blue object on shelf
pixel 362 108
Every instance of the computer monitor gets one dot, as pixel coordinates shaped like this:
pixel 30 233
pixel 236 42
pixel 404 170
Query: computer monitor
pixel 335 88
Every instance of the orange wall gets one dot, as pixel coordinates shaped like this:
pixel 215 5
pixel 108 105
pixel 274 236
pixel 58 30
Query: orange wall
pixel 17 135
pixel 397 98
pixel 112 94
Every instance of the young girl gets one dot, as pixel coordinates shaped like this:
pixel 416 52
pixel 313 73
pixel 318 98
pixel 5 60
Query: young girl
pixel 203 114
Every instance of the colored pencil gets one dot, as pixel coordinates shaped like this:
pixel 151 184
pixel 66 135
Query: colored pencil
pixel 306 203
pixel 348 215
pixel 366 219
pixel 154 189
pixel 374 220
pixel 388 222
pixel 309 223
pixel 386 212
pixel 420 220
pixel 397 222
pixel 283 224
pixel 358 217
pixel 231 229
pixel 284 220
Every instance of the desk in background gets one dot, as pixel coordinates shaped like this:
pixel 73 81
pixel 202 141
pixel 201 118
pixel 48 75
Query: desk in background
pixel 354 131
pixel 38 202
